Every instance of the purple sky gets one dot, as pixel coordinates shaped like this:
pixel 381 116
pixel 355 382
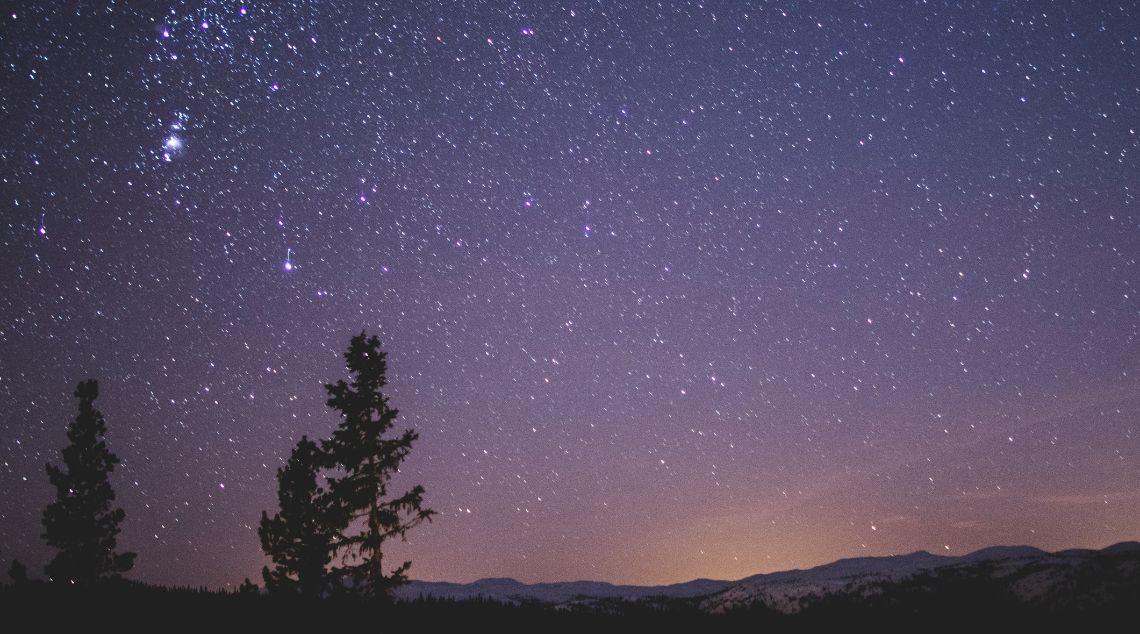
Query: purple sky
pixel 700 290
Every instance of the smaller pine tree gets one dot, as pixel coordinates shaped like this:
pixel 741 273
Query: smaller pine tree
pixel 80 523
pixel 18 572
pixel 299 537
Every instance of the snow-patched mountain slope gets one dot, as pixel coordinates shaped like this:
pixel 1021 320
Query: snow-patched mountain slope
pixel 790 590
pixel 1029 573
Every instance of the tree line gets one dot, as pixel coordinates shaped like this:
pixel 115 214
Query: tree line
pixel 335 508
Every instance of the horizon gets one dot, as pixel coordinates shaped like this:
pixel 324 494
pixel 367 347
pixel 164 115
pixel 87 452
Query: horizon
pixel 684 291
pixel 946 555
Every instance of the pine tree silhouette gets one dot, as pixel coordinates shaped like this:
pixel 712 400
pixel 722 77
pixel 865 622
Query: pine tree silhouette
pixel 80 523
pixel 299 538
pixel 366 460
pixel 18 572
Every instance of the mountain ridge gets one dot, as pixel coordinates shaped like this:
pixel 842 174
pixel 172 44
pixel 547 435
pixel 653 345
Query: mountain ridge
pixel 1030 572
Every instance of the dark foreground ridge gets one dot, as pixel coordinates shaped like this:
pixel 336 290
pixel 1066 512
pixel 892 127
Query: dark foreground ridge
pixel 998 587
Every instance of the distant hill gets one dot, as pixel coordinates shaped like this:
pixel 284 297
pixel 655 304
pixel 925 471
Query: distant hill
pixel 1073 578
pixel 564 592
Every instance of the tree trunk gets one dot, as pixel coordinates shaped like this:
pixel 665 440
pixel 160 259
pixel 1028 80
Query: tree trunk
pixel 377 567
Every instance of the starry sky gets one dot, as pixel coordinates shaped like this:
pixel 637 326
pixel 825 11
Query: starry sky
pixel 670 290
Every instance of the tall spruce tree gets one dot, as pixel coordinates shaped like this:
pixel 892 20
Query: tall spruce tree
pixel 299 537
pixel 365 459
pixel 80 523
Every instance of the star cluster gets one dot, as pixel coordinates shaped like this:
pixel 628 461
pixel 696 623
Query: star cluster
pixel 671 290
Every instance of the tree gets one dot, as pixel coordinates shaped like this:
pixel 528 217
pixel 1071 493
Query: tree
pixel 365 459
pixel 18 572
pixel 80 522
pixel 299 538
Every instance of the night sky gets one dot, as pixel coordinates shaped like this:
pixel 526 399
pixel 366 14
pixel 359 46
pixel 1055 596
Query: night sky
pixel 669 290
